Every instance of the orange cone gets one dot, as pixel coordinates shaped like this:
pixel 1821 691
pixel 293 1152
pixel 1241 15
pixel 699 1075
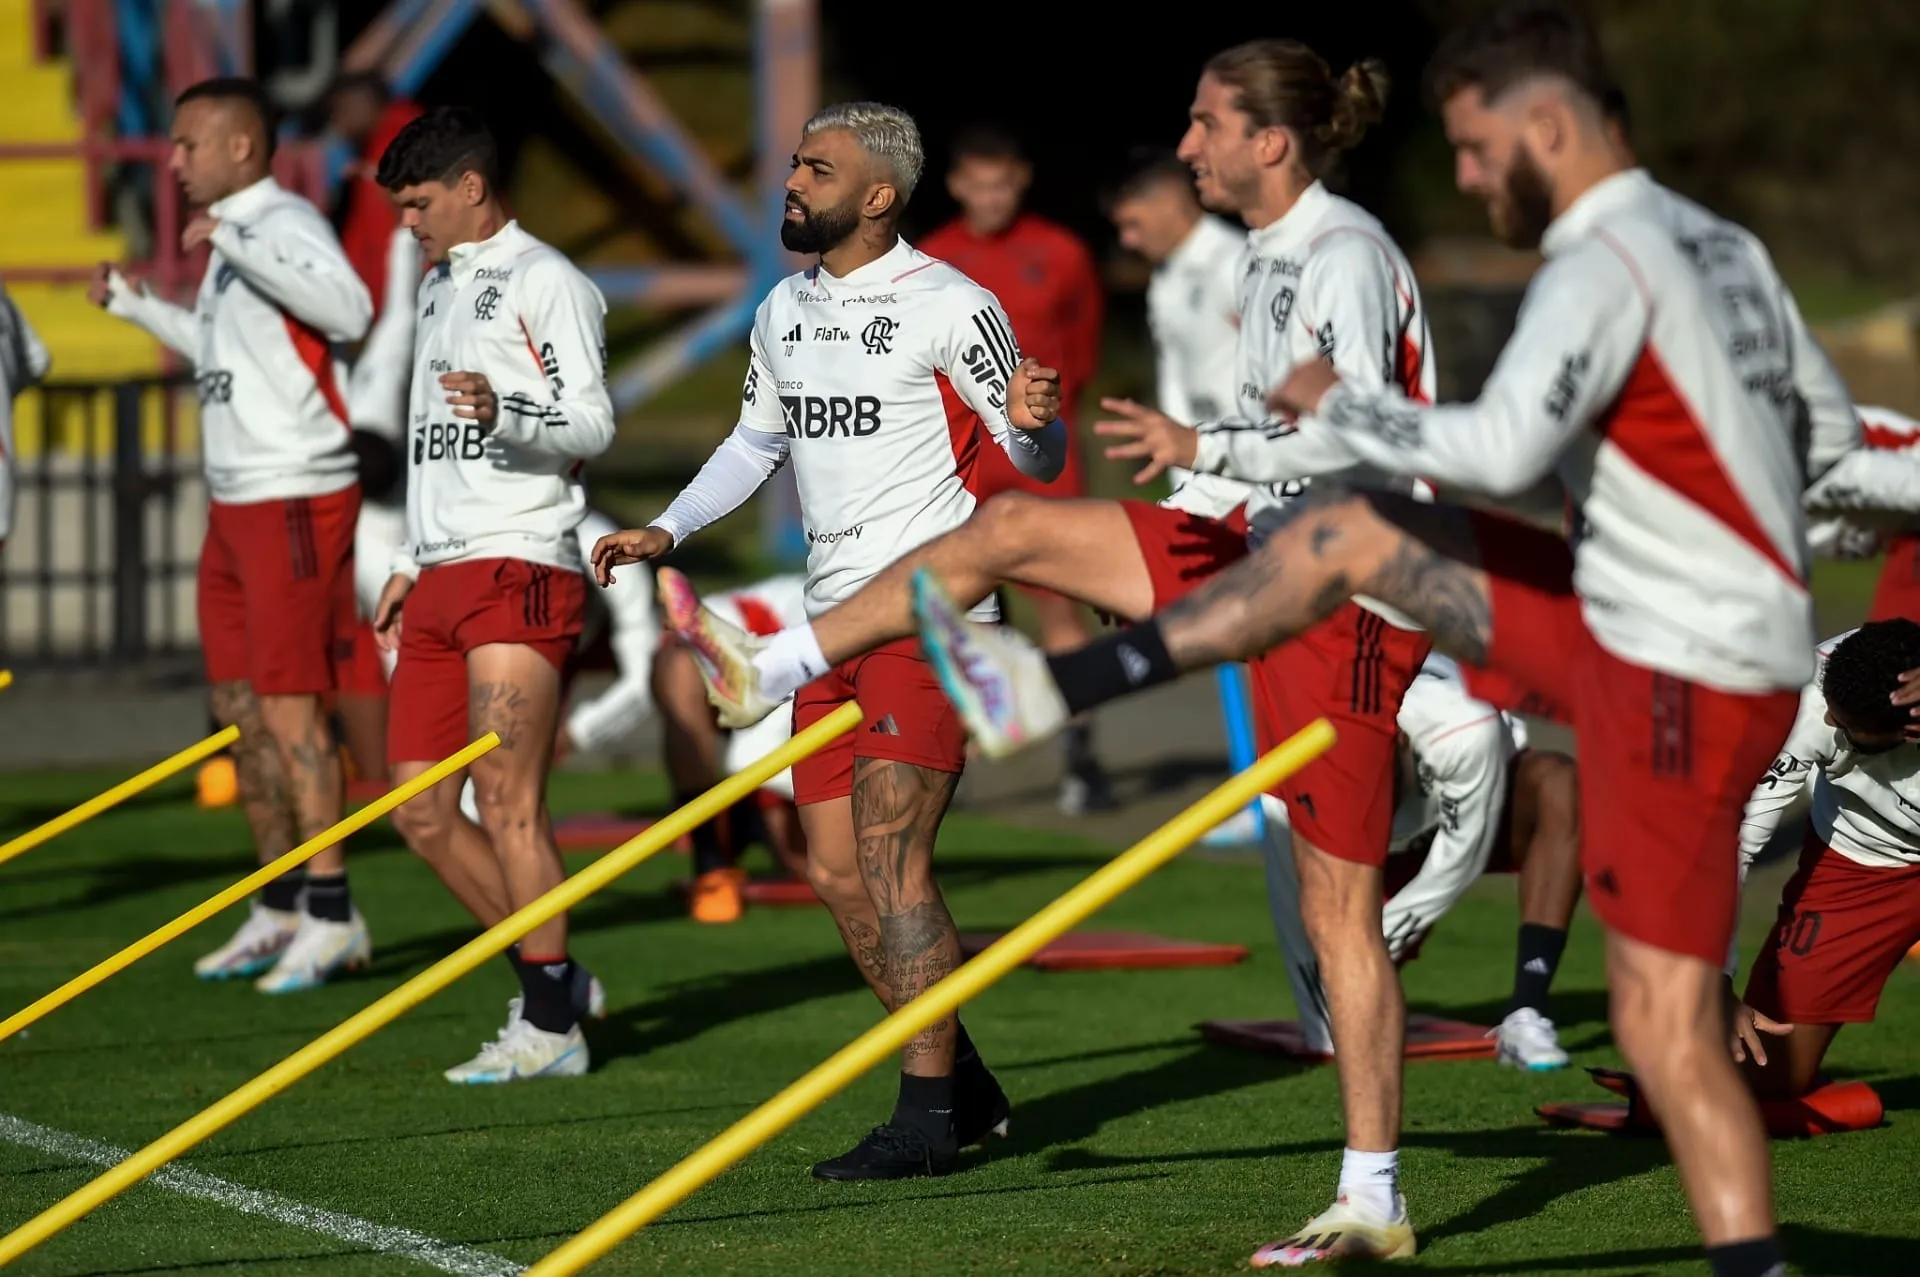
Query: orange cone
pixel 218 782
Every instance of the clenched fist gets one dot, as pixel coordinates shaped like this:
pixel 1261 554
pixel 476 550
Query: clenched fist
pixel 1033 395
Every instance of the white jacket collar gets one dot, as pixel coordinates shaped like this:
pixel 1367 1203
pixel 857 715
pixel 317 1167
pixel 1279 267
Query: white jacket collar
pixel 464 259
pixel 1607 196
pixel 1291 229
pixel 246 201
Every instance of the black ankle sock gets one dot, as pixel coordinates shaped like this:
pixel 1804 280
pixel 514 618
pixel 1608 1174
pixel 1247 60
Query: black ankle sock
pixel 283 893
pixel 1109 668
pixel 1534 964
pixel 327 897
pixel 546 992
pixel 1077 741
pixel 1761 1258
pixel 926 1105
pixel 708 851
pixel 964 1051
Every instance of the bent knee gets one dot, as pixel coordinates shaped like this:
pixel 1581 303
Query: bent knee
pixel 834 882
pixel 1555 781
pixel 1005 528
pixel 423 822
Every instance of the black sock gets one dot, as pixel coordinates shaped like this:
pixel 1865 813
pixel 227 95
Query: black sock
pixel 283 893
pixel 546 991
pixel 708 851
pixel 1109 668
pixel 1760 1258
pixel 964 1051
pixel 327 897
pixel 1078 743
pixel 926 1105
pixel 1534 964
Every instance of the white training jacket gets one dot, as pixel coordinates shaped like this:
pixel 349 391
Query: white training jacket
pixel 23 363
pixel 878 387
pixel 1661 370
pixel 278 294
pixel 517 311
pixel 1871 492
pixel 1193 313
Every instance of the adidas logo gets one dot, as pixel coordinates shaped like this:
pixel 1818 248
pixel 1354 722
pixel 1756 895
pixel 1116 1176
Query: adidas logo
pixel 884 726
pixel 794 335
pixel 1134 664
pixel 1536 966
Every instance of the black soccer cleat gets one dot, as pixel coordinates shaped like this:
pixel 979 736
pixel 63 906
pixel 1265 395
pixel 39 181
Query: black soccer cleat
pixel 980 1107
pixel 890 1152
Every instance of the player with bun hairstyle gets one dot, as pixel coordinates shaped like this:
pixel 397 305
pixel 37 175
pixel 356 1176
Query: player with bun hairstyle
pixel 1320 278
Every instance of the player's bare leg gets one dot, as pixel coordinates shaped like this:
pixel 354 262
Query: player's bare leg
pixel 694 747
pixel 833 870
pixel 1670 1021
pixel 1793 1062
pixel 457 850
pixel 363 727
pixel 261 778
pixel 1545 833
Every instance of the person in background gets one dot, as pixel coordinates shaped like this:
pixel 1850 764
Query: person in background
pixel 23 363
pixel 1044 276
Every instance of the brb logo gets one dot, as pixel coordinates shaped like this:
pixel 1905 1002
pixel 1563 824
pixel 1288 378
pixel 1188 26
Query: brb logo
pixel 877 336
pixel 827 416
pixel 450 441
pixel 486 303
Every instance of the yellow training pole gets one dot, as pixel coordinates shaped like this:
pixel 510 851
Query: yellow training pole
pixel 353 823
pixel 6 679
pixel 119 793
pixel 352 1030
pixel 886 1038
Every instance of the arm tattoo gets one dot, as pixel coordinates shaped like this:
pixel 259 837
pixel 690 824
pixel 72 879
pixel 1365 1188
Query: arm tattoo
pixel 896 813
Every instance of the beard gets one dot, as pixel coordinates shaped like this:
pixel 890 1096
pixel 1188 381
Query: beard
pixel 818 229
pixel 1525 208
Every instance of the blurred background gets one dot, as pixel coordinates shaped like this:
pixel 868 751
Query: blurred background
pixel 648 138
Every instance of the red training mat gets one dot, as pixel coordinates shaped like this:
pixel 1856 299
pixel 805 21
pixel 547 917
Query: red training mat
pixel 1429 1037
pixel 780 892
pixel 602 831
pixel 1825 1110
pixel 1116 950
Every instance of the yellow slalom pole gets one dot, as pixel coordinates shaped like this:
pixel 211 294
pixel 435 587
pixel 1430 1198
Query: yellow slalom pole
pixel 250 1095
pixel 6 679
pixel 886 1038
pixel 119 793
pixel 353 823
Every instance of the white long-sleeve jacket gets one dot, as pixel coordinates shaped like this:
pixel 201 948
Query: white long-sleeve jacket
pixel 278 294
pixel 382 372
pixel 23 363
pixel 1193 312
pixel 518 312
pixel 1871 492
pixel 1661 370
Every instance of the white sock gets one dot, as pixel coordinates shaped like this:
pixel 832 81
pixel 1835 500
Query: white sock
pixel 1371 1181
pixel 790 660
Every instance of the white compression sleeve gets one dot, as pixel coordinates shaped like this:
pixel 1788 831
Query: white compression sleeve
pixel 734 472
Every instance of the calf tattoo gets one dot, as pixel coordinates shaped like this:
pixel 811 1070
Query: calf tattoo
pixel 259 772
pixel 897 809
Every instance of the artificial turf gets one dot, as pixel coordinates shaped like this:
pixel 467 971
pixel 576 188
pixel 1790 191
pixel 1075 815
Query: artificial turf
pixel 1136 1149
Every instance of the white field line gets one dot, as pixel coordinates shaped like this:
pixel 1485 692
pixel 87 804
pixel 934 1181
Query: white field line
pixel 362 1234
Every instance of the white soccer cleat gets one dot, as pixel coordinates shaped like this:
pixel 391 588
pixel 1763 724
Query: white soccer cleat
pixel 995 677
pixel 723 651
pixel 1526 1040
pixel 1342 1231
pixel 519 1052
pixel 254 948
pixel 320 951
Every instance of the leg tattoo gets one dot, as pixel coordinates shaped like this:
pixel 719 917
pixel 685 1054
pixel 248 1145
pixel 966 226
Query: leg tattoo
pixel 262 778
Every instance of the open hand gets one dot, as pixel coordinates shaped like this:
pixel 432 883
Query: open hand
pixel 1154 438
pixel 471 395
pixel 1908 694
pixel 1033 395
pixel 637 545
pixel 386 613
pixel 1748 1026
pixel 1300 394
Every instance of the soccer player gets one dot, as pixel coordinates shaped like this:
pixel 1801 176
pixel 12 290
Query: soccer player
pixel 1882 476
pixel 1472 798
pixel 23 363
pixel 1852 911
pixel 509 401
pixel 1662 373
pixel 1320 275
pixel 1045 277
pixel 875 371
pixel 276 568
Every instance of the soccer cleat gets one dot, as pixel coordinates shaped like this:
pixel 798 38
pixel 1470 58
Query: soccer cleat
pixel 320 950
pixel 718 896
pixel 520 1052
pixel 255 947
pixel 980 1107
pixel 1527 1040
pixel 723 651
pixel 589 995
pixel 996 678
pixel 890 1152
pixel 1342 1231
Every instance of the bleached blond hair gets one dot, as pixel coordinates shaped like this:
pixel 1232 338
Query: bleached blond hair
pixel 885 132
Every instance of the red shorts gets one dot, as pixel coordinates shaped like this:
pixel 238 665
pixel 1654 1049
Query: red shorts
pixel 1183 549
pixel 1898 592
pixel 1352 669
pixel 365 674
pixel 905 718
pixel 275 596
pixel 454 608
pixel 1666 765
pixel 1843 929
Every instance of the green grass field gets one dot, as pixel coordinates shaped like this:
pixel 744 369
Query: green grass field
pixel 1136 1149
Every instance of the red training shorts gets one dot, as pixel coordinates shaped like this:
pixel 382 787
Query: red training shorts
pixel 455 608
pixel 365 674
pixel 1666 765
pixel 1183 549
pixel 275 596
pixel 1897 594
pixel 905 718
pixel 1843 929
pixel 1352 669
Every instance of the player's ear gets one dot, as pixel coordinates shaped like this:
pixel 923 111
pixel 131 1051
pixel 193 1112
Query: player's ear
pixel 881 200
pixel 473 188
pixel 1272 146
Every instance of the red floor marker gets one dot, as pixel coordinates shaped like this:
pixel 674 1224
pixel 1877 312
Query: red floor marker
pixel 780 893
pixel 1825 1110
pixel 1428 1038
pixel 602 831
pixel 1115 951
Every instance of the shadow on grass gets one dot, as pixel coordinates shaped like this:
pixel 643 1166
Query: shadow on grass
pixel 686 1011
pixel 1079 1112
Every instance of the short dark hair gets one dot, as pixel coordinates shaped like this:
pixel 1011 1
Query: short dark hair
pixel 986 142
pixel 1147 168
pixel 1519 41
pixel 364 81
pixel 239 89
pixel 439 146
pixel 1864 669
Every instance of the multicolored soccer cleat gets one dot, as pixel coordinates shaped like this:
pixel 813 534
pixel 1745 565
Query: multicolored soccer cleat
pixel 254 948
pixel 521 1052
pixel 995 677
pixel 1527 1040
pixel 320 951
pixel 1342 1231
pixel 723 651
